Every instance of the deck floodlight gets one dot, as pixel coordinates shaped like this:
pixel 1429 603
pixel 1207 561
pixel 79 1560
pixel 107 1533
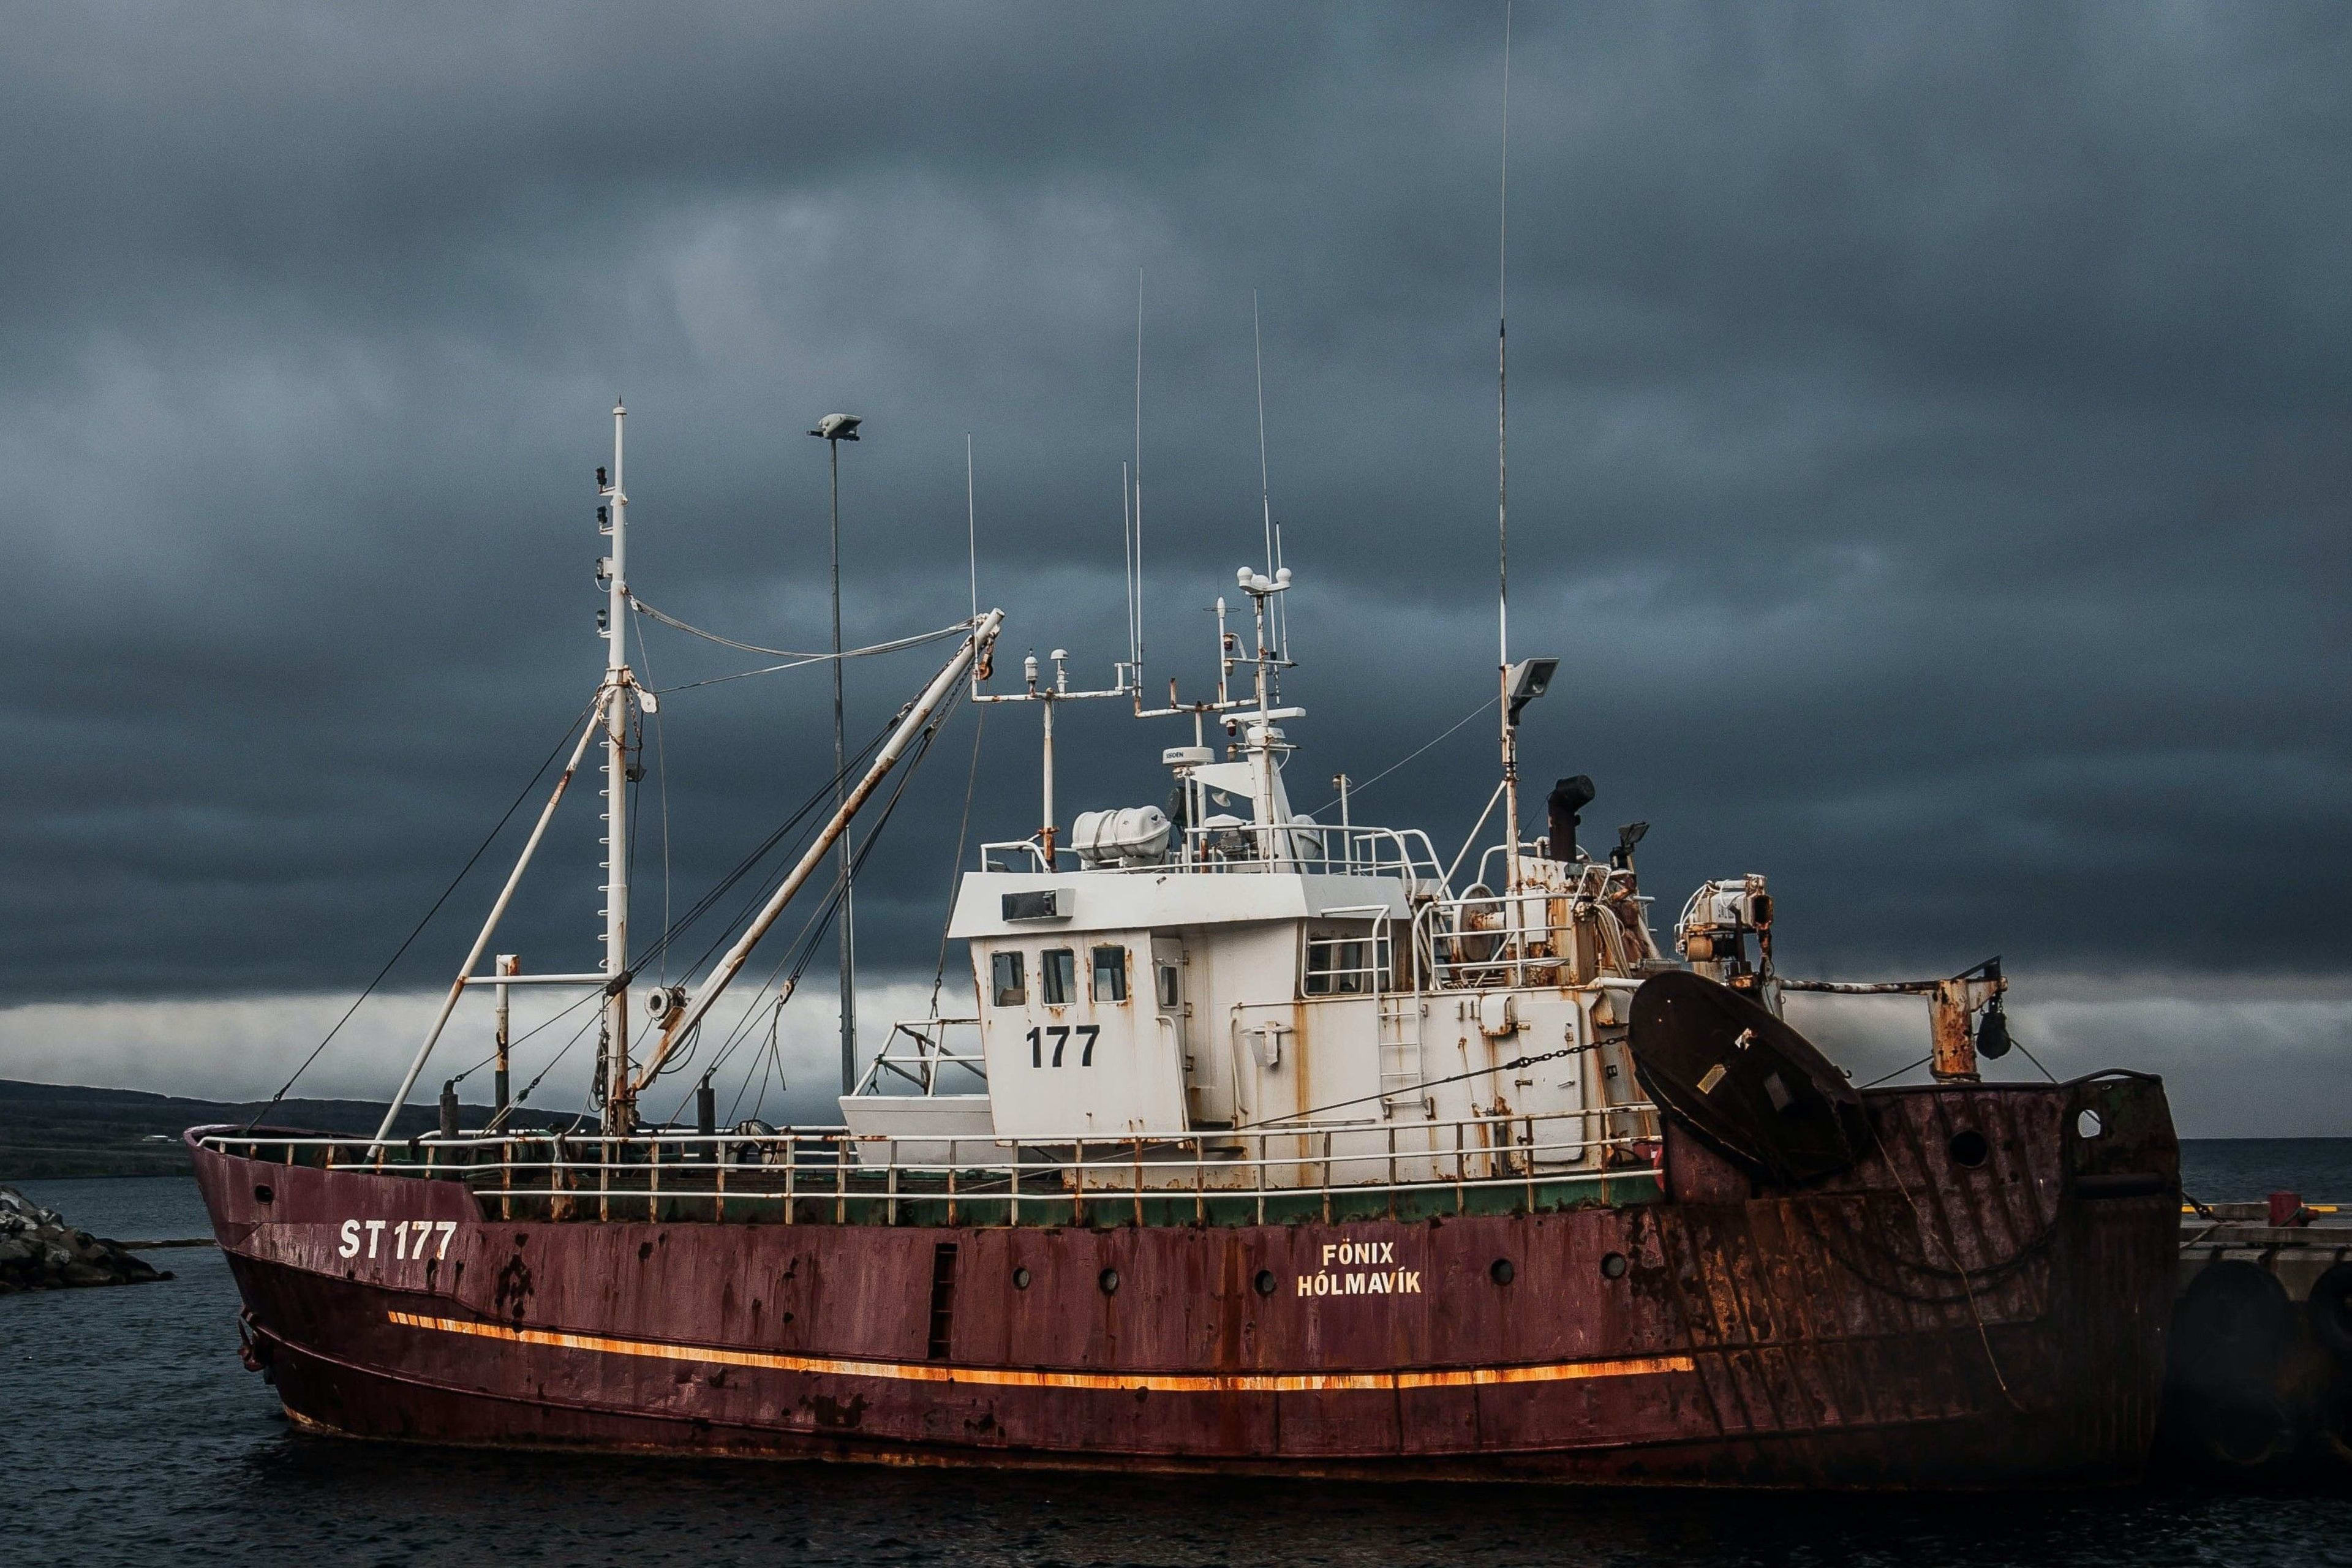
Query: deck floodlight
pixel 837 428
pixel 1530 679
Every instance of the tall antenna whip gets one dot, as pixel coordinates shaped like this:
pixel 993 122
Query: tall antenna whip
pixel 1126 542
pixel 1138 478
pixel 971 527
pixel 1503 492
pixel 1502 371
pixel 1265 492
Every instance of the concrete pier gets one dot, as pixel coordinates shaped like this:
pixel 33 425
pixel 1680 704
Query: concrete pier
pixel 2259 1364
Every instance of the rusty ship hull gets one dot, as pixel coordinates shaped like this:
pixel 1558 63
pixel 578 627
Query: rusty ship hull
pixel 1980 1303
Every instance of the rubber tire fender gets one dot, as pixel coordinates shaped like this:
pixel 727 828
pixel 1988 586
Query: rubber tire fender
pixel 2330 1311
pixel 2232 1326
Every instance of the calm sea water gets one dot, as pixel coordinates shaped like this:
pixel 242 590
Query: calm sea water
pixel 130 1434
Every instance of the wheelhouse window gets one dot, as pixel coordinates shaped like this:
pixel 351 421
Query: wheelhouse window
pixel 1110 974
pixel 1057 976
pixel 1011 985
pixel 1344 965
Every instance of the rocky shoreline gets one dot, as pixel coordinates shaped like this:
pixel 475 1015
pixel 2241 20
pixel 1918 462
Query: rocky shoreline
pixel 38 1251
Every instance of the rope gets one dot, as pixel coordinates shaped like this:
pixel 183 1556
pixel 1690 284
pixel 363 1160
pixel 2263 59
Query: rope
pixel 1989 1274
pixel 1968 1286
pixel 480 850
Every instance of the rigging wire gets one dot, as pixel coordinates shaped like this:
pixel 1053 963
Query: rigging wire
pixel 1923 1061
pixel 775 1062
pixel 480 850
pixel 795 657
pixel 955 869
pixel 744 911
pixel 750 905
pixel 669 932
pixel 741 1030
pixel 585 997
pixel 661 773
pixel 1899 1072
pixel 767 1062
pixel 1356 789
pixel 578 1034
pixel 675 624
pixel 742 868
pixel 812 932
pixel 636 796
pixel 2031 1058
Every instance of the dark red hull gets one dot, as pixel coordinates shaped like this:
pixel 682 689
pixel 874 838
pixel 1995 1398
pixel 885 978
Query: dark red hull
pixel 1820 1338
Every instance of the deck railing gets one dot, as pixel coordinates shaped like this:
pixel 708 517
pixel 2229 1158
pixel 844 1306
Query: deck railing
pixel 1234 848
pixel 792 1176
pixel 919 1052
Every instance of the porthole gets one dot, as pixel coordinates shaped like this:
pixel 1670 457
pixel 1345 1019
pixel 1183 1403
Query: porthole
pixel 1021 1280
pixel 1502 1273
pixel 263 1195
pixel 2090 1124
pixel 1263 1283
pixel 1612 1266
pixel 1108 1281
pixel 1969 1148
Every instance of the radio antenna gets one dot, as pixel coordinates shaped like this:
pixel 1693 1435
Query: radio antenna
pixel 1503 371
pixel 1265 493
pixel 1138 478
pixel 1282 606
pixel 971 527
pixel 1127 544
pixel 1502 484
pixel 1265 490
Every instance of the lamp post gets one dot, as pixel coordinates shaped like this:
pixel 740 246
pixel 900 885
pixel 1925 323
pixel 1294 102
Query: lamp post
pixel 833 430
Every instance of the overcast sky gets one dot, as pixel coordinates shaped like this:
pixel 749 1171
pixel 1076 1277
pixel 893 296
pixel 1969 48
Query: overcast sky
pixel 1929 446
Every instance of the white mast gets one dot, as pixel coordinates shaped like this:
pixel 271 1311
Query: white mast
pixel 619 1112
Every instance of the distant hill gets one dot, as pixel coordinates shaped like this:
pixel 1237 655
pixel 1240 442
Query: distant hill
pixel 51 1130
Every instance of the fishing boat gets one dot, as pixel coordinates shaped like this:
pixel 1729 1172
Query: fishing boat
pixel 1260 1142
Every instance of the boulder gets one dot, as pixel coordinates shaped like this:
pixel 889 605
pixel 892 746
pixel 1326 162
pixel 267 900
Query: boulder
pixel 38 1251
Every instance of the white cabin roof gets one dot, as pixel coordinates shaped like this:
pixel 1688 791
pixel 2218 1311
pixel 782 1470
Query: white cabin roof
pixel 1159 899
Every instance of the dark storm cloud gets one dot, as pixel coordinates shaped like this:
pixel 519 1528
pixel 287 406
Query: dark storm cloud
pixel 1928 441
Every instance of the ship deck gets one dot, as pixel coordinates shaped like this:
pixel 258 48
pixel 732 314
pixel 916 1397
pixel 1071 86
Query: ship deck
pixel 830 1176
